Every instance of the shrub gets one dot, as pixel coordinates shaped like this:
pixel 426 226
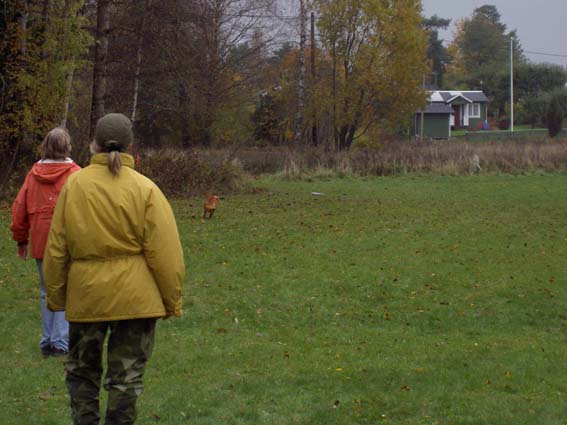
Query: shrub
pixel 504 123
pixel 181 173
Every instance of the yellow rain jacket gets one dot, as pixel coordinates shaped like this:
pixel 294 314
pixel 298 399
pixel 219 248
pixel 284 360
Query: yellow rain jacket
pixel 113 251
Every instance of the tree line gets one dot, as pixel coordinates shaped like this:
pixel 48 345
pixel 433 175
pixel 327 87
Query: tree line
pixel 478 58
pixel 193 73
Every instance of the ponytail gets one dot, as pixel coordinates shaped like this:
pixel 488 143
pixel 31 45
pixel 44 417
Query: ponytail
pixel 114 162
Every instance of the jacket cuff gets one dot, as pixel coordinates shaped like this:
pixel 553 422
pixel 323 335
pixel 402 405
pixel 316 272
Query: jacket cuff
pixel 177 313
pixel 54 307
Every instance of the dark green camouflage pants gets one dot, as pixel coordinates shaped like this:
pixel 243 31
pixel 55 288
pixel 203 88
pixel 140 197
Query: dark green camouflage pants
pixel 130 345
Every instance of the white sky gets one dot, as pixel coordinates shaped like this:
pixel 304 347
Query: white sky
pixel 541 25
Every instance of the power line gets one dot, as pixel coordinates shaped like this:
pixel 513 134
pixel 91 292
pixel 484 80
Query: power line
pixel 557 55
pixel 546 54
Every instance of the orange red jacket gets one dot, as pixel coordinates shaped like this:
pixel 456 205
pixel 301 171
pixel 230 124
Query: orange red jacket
pixel 33 208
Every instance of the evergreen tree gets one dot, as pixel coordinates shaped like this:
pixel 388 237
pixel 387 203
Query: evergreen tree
pixel 555 117
pixel 436 52
pixel 481 55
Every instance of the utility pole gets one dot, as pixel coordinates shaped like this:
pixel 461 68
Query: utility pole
pixel 511 84
pixel 422 112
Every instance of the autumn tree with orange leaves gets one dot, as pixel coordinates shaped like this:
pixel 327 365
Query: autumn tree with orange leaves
pixel 377 54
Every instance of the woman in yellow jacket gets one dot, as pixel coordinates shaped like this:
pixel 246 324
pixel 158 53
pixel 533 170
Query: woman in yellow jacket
pixel 114 263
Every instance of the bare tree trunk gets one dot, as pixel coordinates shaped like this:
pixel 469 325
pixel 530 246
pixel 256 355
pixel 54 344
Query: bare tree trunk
pixel 183 95
pixel 101 53
pixel 314 136
pixel 302 72
pixel 10 170
pixel 22 22
pixel 184 105
pixel 45 28
pixel 350 136
pixel 70 78
pixel 334 90
pixel 139 57
pixel 343 134
pixel 136 80
pixel 68 93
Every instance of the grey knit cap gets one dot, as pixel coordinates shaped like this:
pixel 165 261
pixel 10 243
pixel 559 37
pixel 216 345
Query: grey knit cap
pixel 113 132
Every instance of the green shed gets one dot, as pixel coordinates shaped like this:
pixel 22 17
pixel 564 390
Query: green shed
pixel 436 121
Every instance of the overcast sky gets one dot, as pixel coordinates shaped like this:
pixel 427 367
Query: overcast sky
pixel 541 25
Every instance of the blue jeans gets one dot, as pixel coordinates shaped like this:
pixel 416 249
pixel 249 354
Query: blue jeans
pixel 54 327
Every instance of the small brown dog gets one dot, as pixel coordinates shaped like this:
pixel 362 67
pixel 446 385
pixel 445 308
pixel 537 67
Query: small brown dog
pixel 210 206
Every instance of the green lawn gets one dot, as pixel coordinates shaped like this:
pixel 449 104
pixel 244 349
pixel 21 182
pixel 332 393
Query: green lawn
pixel 434 300
pixel 522 132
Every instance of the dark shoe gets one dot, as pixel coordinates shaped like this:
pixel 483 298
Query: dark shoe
pixel 46 351
pixel 58 352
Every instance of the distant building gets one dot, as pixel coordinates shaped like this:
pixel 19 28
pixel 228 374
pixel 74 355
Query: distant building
pixel 451 110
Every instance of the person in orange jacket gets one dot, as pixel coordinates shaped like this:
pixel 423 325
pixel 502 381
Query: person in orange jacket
pixel 31 216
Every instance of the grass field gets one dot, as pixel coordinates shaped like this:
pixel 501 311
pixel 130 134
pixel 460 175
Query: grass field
pixel 433 300
pixel 522 132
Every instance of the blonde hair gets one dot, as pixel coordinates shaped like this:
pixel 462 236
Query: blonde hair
pixel 114 160
pixel 56 145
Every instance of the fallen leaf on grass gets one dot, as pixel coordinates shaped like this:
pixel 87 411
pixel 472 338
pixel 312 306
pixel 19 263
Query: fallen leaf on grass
pixel 358 407
pixel 405 388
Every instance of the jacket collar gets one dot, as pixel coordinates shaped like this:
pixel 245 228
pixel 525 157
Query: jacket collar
pixel 102 159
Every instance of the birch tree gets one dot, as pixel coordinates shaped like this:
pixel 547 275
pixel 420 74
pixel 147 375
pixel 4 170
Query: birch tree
pixel 100 58
pixel 302 72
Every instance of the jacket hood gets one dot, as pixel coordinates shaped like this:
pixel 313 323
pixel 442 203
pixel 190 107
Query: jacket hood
pixel 50 172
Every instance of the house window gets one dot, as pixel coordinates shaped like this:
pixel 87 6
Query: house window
pixel 474 110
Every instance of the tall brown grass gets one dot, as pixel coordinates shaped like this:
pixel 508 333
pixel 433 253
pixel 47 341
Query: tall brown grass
pixel 199 172
pixel 404 157
pixel 181 173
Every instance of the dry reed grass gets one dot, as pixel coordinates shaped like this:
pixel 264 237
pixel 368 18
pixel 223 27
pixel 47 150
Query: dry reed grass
pixel 403 157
